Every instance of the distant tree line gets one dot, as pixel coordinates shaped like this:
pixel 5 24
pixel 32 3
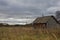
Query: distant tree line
pixel 16 25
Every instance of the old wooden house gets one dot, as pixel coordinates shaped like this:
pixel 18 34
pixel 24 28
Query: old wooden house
pixel 45 22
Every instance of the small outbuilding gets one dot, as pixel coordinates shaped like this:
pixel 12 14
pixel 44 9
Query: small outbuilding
pixel 45 22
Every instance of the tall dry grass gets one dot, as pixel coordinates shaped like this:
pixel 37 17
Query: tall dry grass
pixel 28 33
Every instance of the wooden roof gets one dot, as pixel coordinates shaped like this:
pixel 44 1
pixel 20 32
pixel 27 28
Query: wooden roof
pixel 44 19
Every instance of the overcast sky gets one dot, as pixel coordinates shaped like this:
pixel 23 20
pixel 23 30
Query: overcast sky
pixel 22 8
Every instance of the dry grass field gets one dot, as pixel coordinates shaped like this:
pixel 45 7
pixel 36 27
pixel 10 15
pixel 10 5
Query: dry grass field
pixel 28 33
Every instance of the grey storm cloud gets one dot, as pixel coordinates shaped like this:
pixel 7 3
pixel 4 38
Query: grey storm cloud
pixel 18 8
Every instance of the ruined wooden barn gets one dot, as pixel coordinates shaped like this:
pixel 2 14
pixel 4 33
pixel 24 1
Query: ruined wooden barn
pixel 45 22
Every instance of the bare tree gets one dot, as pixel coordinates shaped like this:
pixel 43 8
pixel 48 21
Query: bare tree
pixel 58 14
